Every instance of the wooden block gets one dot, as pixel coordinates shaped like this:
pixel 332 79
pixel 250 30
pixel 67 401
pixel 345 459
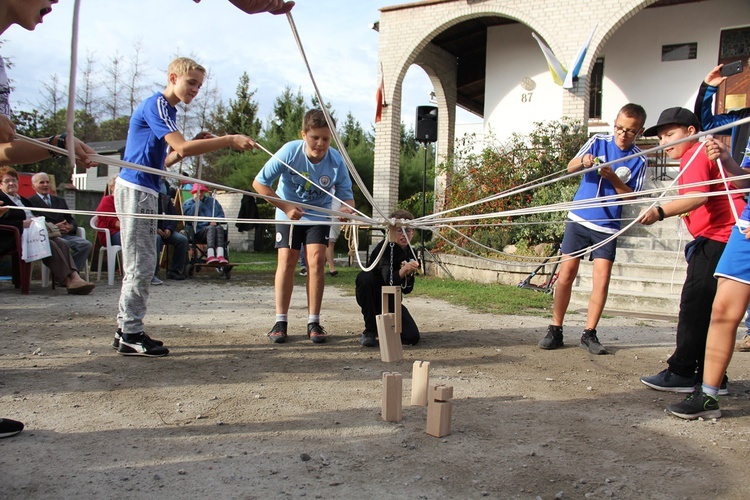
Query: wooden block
pixel 420 381
pixel 390 341
pixel 392 393
pixel 441 392
pixel 396 292
pixel 439 411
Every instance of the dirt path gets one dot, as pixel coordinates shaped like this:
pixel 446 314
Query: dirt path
pixel 228 415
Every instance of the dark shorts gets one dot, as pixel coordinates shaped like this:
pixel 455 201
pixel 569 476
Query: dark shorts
pixel 577 237
pixel 301 235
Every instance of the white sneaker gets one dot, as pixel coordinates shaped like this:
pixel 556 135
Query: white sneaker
pixel 156 281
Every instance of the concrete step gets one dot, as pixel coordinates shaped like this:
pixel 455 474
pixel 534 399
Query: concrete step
pixel 649 243
pixel 665 305
pixel 668 258
pixel 643 271
pixel 639 285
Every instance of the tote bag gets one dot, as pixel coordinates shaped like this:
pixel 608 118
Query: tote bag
pixel 35 241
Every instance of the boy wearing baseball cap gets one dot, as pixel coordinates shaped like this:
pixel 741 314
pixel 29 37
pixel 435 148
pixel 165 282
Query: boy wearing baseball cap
pixel 710 220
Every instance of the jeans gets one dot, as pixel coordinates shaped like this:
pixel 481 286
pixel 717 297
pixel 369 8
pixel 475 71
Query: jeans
pixel 180 244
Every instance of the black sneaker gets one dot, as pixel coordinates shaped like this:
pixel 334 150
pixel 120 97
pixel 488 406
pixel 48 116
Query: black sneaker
pixel 590 341
pixel 316 333
pixel 723 389
pixel 9 427
pixel 141 345
pixel 368 339
pixel 118 336
pixel 278 332
pixel 697 405
pixel 553 339
pixel 669 381
pixel 175 276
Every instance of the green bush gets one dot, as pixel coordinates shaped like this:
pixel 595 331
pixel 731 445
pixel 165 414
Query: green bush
pixel 499 168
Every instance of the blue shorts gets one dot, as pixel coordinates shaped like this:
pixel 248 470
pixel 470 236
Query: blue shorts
pixel 301 235
pixel 734 263
pixel 577 237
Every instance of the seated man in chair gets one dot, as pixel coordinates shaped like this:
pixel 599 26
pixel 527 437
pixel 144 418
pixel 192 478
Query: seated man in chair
pixel 210 233
pixel 81 247
pixel 167 234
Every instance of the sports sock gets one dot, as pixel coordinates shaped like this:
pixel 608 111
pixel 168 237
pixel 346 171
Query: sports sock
pixel 282 317
pixel 711 391
pixel 313 318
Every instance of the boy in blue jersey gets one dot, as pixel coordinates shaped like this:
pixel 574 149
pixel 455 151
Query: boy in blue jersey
pixel 589 226
pixel 319 170
pixel 153 127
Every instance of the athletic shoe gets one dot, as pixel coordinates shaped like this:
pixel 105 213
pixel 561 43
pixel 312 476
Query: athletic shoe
pixel 368 339
pixel 723 389
pixel 118 336
pixel 697 405
pixel 590 341
pixel 175 276
pixel 333 273
pixel 211 261
pixel 553 339
pixel 743 345
pixel 278 332
pixel 669 381
pixel 222 259
pixel 303 271
pixel 156 281
pixel 141 345
pixel 9 427
pixel 316 333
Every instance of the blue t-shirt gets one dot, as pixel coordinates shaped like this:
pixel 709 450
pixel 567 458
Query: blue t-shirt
pixel 606 219
pixel 330 173
pixel 154 119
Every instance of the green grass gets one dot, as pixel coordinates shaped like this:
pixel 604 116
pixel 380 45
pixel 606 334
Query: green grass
pixel 495 299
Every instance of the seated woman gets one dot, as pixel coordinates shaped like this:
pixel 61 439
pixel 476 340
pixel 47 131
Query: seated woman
pixel 111 222
pixel 396 267
pixel 61 262
pixel 210 233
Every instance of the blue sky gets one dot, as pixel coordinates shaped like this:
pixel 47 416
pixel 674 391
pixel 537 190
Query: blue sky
pixel 336 34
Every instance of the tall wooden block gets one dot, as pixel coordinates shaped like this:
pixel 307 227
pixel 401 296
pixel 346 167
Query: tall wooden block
pixel 439 410
pixel 396 292
pixel 392 393
pixel 420 380
pixel 390 341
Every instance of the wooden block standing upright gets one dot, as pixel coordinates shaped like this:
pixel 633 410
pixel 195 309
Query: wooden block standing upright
pixel 390 341
pixel 396 292
pixel 392 392
pixel 439 410
pixel 420 381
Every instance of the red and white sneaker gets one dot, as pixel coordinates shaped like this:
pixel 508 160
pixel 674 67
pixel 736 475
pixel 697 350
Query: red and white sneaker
pixel 212 260
pixel 222 259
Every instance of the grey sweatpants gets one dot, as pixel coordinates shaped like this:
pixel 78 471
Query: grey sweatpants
pixel 138 239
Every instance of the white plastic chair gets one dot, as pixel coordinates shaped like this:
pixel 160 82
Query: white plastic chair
pixel 111 250
pixel 46 271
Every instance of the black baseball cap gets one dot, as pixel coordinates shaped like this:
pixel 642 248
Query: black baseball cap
pixel 674 116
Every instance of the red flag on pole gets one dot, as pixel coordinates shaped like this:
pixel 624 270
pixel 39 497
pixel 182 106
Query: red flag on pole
pixel 380 97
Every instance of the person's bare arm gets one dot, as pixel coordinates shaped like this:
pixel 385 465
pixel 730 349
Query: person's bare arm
pixel 291 211
pixel 256 6
pixel 717 150
pixel 182 148
pixel 675 207
pixel 22 153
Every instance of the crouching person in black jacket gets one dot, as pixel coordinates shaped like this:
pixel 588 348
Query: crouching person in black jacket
pixel 395 268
